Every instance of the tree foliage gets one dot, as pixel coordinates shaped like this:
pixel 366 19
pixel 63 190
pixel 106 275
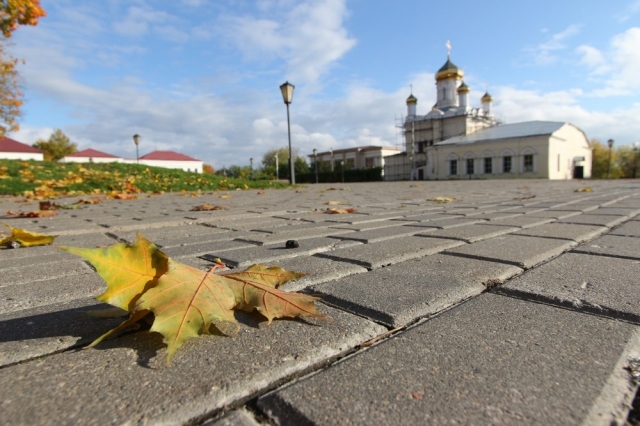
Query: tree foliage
pixel 10 94
pixel 621 160
pixel 269 163
pixel 14 13
pixel 59 145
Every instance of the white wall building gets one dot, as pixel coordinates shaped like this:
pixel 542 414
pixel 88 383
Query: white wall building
pixel 14 150
pixel 355 158
pixel 166 159
pixel 454 141
pixel 91 156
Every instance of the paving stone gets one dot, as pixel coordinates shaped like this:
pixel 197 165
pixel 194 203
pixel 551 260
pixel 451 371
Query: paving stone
pixel 240 417
pixel 470 233
pixel 556 214
pixel 613 245
pixel 566 231
pixel 366 226
pixel 377 255
pixel 380 234
pixel 249 224
pixel 40 272
pixel 90 240
pixel 420 287
pixel 318 270
pixel 32 333
pixel 616 211
pixel 48 256
pixel 355 218
pixel 292 233
pixel 40 293
pixel 492 360
pixel 206 374
pixel 429 217
pixel 64 227
pixel 628 229
pixel 523 222
pixel 519 250
pixel 243 257
pixel 592 219
pixel 164 235
pixel 448 223
pixel 592 283
pixel 494 215
pixel 201 248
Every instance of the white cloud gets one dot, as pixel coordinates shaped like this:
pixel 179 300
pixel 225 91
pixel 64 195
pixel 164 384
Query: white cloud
pixel 545 53
pixel 629 11
pixel 138 20
pixel 310 38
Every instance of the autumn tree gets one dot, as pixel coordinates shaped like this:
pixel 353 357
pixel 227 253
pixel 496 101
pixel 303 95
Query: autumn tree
pixel 59 145
pixel 208 169
pixel 269 163
pixel 600 161
pixel 14 13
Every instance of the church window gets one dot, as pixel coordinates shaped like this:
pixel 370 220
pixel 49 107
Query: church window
pixel 506 164
pixel 368 162
pixel 470 170
pixel 453 167
pixel 488 165
pixel 528 163
pixel 420 146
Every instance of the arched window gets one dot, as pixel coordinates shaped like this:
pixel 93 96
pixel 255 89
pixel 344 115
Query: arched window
pixel 508 158
pixel 470 163
pixel 487 163
pixel 453 160
pixel 528 160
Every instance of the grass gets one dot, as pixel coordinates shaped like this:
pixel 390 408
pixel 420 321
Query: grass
pixel 45 179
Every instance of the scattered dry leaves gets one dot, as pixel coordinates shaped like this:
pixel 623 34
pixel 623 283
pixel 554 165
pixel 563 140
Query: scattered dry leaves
pixel 261 192
pixel 335 203
pixel 207 207
pixel 26 238
pixel 224 196
pixel 441 199
pixel 38 213
pixel 587 189
pixel 339 211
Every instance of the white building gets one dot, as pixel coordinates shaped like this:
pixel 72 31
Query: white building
pixel 14 150
pixel 166 159
pixel 91 156
pixel 456 141
pixel 355 158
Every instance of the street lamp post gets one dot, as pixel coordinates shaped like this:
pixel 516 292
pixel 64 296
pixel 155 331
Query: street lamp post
pixel 332 159
pixel 315 161
pixel 136 140
pixel 287 95
pixel 251 165
pixel 610 143
pixel 342 169
pixel 636 148
pixel 277 170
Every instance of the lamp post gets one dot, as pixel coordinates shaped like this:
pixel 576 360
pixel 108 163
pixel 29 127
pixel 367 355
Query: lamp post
pixel 610 143
pixel 136 140
pixel 315 161
pixel 411 167
pixel 287 96
pixel 277 171
pixel 332 160
pixel 342 169
pixel 636 148
pixel 251 166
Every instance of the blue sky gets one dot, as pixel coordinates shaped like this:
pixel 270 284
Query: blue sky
pixel 201 77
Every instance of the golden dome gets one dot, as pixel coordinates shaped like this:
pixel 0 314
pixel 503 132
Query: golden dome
pixel 412 100
pixel 486 98
pixel 463 88
pixel 449 70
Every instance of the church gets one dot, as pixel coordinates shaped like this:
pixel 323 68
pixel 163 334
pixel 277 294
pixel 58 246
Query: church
pixel 457 141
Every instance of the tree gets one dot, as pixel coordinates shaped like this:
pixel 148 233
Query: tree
pixel 58 146
pixel 10 94
pixel 600 161
pixel 208 169
pixel 19 12
pixel 269 163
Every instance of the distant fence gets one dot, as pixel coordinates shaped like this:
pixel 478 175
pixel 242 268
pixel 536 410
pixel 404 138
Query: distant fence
pixel 372 174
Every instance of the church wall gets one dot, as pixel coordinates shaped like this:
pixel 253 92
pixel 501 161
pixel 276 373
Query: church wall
pixel 569 148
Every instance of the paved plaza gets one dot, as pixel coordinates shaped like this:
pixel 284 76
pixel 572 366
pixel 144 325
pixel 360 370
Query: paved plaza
pixel 518 302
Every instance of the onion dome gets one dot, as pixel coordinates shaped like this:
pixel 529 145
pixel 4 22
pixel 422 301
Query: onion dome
pixel 449 70
pixel 463 88
pixel 435 107
pixel 412 100
pixel 486 98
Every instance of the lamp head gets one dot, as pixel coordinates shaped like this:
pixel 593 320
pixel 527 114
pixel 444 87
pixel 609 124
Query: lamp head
pixel 610 143
pixel 315 152
pixel 136 139
pixel 287 92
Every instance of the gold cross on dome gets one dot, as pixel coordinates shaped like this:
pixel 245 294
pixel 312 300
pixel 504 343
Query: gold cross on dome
pixel 448 45
pixel 411 85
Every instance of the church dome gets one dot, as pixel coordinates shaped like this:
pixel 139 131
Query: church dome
pixel 486 98
pixel 463 88
pixel 412 100
pixel 449 70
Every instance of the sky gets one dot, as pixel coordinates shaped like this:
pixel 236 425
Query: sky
pixel 202 77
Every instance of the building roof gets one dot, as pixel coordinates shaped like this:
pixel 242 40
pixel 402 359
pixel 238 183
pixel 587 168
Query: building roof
pixel 93 153
pixel 506 131
pixel 9 145
pixel 358 148
pixel 449 70
pixel 412 99
pixel 167 156
pixel 486 98
pixel 463 88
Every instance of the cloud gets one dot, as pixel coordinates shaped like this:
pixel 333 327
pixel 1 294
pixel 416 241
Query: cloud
pixel 545 53
pixel 139 19
pixel 310 38
pixel 629 11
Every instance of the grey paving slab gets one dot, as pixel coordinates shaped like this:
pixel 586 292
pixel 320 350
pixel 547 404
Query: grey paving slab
pixel 88 240
pixel 470 233
pixel 429 217
pixel 355 218
pixel 13 258
pixel 492 360
pixel 318 270
pixel 206 374
pixel 494 215
pixel 421 287
pixel 627 229
pixel 240 417
pixel 612 245
pixel 594 283
pixel 519 250
pixel 593 219
pixel 202 248
pixel 292 233
pixel 388 252
pixel 556 214
pixel 262 254
pixel 186 232
pixel 527 221
pixel 448 223
pixel 380 234
pixel 40 272
pixel 36 332
pixel 366 226
pixel 616 211
pixel 567 231
pixel 40 293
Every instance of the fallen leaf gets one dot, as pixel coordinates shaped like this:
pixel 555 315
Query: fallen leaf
pixel 39 213
pixel 417 395
pixel 415 185
pixel 441 199
pixel 128 270
pixel 224 196
pixel 528 197
pixel 48 205
pixel 124 196
pixel 334 203
pixel 92 200
pixel 27 238
pixel 340 211
pixel 207 207
pixel 583 190
pixel 261 192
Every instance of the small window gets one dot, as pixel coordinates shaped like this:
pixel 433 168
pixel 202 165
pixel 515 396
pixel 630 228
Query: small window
pixel 470 170
pixel 368 162
pixel 453 167
pixel 488 165
pixel 506 164
pixel 528 163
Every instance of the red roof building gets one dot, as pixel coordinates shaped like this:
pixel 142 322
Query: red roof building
pixel 92 153
pixel 14 150
pixel 167 156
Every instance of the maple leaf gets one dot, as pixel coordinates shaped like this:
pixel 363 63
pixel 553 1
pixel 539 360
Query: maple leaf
pixel 39 213
pixel 128 270
pixel 339 211
pixel 207 207
pixel 186 302
pixel 255 288
pixel 27 238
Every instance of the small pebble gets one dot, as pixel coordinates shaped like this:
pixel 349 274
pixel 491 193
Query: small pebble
pixel 292 244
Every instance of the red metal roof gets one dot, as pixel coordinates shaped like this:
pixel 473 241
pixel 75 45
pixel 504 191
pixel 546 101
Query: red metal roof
pixel 167 156
pixel 9 145
pixel 89 152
